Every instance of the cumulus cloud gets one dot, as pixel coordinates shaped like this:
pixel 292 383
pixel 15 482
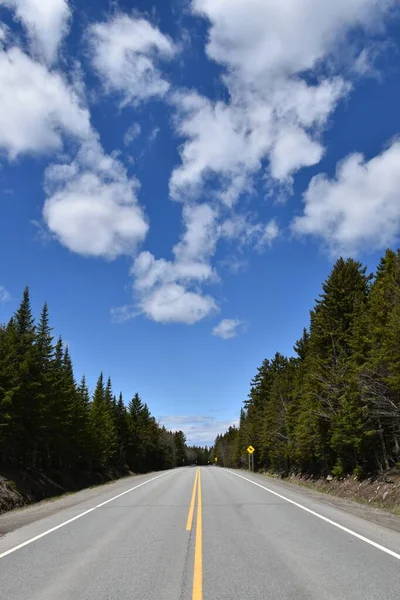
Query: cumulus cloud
pixel 293 149
pixel 274 118
pixel 46 22
pixel 227 328
pixel 125 52
pixel 264 37
pixel 91 205
pixel 173 303
pixel 54 109
pixel 4 294
pixel 359 209
pixel 168 291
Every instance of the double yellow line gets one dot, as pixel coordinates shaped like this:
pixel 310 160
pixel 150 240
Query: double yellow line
pixel 197 593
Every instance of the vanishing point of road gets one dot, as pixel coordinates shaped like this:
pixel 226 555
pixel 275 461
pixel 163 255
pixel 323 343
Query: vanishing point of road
pixel 196 534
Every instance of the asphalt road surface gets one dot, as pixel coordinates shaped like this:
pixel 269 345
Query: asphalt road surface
pixel 194 534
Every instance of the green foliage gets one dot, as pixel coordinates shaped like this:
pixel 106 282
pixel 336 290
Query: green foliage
pixel 335 408
pixel 338 471
pixel 49 422
pixel 359 473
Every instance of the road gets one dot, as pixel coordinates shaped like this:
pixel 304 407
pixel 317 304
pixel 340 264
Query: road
pixel 199 534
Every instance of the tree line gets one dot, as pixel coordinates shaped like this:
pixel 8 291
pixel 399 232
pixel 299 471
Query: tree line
pixel 50 422
pixel 334 407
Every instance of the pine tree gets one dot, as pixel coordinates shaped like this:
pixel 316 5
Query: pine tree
pixel 112 433
pixel 7 384
pixel 135 449
pixel 180 448
pixel 48 422
pixel 327 364
pixel 24 385
pixel 380 374
pixel 44 356
pixel 122 432
pixel 99 423
pixel 83 409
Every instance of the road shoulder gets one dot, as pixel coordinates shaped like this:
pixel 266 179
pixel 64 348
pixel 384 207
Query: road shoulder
pixel 14 519
pixel 369 513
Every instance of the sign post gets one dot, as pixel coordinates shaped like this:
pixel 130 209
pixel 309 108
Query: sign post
pixel 250 450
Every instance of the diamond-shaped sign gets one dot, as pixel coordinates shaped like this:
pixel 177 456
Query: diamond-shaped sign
pixel 250 449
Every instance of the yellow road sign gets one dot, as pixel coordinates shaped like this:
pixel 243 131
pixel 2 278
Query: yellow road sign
pixel 250 449
pixel 216 459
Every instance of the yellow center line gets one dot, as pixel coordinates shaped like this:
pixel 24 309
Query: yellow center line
pixel 198 551
pixel 191 509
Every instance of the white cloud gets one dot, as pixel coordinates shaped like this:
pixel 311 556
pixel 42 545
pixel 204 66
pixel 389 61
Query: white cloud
pixel 244 230
pixel 4 294
pixel 270 234
pixel 200 237
pixel 4 33
pixel 121 314
pixel 164 287
pixel 168 291
pixel 37 107
pixel 265 37
pixel 274 119
pixel 227 328
pixel 132 133
pixel 360 208
pixel 173 303
pixel 199 429
pixel 46 22
pixel 125 52
pixel 292 150
pixel 227 143
pixel 216 145
pixel 92 207
pixel 154 134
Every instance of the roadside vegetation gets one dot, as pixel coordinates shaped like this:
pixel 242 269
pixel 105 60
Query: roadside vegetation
pixel 333 409
pixel 55 435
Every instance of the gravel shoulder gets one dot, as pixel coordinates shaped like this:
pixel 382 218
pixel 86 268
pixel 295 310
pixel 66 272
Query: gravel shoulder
pixel 14 519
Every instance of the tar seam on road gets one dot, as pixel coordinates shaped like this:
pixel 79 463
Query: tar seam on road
pixel 315 514
pixel 192 503
pixel 198 551
pixel 37 537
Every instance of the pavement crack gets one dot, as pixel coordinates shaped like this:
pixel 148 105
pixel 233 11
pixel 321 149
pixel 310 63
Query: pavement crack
pixel 184 580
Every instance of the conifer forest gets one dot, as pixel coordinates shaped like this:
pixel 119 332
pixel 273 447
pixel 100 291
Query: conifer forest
pixel 334 406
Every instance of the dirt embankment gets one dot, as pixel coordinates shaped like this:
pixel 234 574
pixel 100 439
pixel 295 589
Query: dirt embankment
pixel 380 492
pixel 22 487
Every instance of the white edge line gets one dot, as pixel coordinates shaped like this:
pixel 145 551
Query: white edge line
pixel 37 537
pixel 315 514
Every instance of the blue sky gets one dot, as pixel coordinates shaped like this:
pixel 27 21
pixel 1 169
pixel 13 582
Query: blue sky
pixel 177 178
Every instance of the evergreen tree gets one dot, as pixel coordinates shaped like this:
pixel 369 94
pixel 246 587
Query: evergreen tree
pixel 180 448
pixel 335 407
pixel 48 422
pixel 101 424
pixel 44 357
pixel 122 432
pixel 22 393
